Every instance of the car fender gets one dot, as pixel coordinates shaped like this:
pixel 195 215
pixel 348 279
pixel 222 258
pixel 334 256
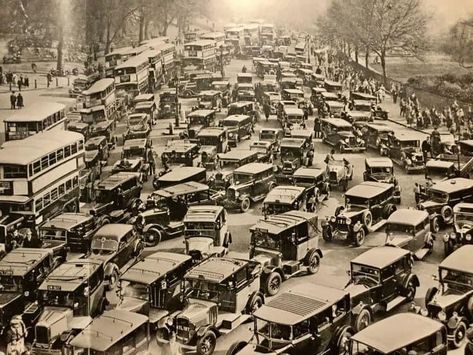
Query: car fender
pixel 149 227
pixel 109 269
pixel 253 295
pixel 454 320
pixel 361 306
pixel 319 252
pixel 202 330
pixel 241 197
pixel 268 269
pixel 409 278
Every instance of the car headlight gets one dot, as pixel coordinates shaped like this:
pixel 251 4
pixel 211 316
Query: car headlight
pixel 348 220
pixel 453 236
pixel 446 237
pixel 237 194
pixel 230 135
pixel 358 140
pixel 468 237
pixel 378 141
pixel 442 316
pixel 333 219
pixel 347 140
pixel 424 312
pixel 408 161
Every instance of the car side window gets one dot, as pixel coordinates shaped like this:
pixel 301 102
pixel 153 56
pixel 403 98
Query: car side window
pixel 240 277
pixel 301 328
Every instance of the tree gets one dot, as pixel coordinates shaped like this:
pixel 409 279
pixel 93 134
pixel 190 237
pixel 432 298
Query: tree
pixel 459 43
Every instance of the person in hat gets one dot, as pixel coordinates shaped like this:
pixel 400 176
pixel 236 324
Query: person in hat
pixel 16 335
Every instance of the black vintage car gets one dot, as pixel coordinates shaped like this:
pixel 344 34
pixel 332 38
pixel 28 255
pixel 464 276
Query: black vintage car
pixel 315 181
pixel 367 206
pixel 381 170
pixel 339 133
pixel 462 228
pixel 404 150
pixel 376 137
pixel 380 280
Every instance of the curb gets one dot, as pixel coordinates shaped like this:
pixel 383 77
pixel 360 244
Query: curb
pixel 406 126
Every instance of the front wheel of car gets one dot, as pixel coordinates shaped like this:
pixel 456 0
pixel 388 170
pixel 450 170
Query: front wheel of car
pixel 255 303
pixel 206 343
pixel 436 224
pixel 313 262
pixel 273 283
pixel 153 237
pixel 245 204
pixel 363 320
pixel 410 291
pixel 360 237
pixel 459 334
pixel 343 340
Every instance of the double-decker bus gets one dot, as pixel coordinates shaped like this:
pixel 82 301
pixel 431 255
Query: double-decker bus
pixel 99 101
pixel 35 118
pixel 118 56
pixel 39 178
pixel 201 54
pixel 132 75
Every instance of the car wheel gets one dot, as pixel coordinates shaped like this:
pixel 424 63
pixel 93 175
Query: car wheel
pixel 459 334
pixel 206 343
pixel 245 204
pixel 343 340
pixel 360 237
pixel 327 233
pixel 313 262
pixel 235 348
pixel 363 319
pixel 273 283
pixel 112 283
pixel 153 237
pixel 255 303
pixel 410 291
pixel 448 247
pixel 367 219
pixel 436 224
pixel 429 295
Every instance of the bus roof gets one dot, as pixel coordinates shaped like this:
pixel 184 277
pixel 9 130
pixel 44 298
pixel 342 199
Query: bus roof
pixel 99 86
pixel 35 112
pixel 200 42
pixel 134 61
pixel 25 151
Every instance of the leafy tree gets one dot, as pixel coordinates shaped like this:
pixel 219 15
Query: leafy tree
pixel 459 43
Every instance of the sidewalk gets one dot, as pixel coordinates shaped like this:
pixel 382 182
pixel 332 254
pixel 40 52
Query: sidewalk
pixel 41 84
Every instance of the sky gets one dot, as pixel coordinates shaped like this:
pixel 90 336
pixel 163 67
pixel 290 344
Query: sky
pixel 447 12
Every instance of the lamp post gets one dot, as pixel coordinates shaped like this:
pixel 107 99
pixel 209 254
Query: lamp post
pixel 222 68
pixel 178 111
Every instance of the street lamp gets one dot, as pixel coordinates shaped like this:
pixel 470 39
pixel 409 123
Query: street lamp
pixel 222 69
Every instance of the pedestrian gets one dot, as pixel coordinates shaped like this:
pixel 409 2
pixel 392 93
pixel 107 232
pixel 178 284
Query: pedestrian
pixel 426 148
pixel 16 335
pixel 317 133
pixel 49 78
pixel 266 110
pixel 27 81
pixel 310 157
pixel 19 100
pixel 306 114
pixel 330 157
pixel 29 241
pixel 417 193
pixel 20 82
pixel 13 100
pixel 151 162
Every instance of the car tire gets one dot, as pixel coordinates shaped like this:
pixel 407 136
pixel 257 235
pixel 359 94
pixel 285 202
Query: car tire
pixel 112 283
pixel 235 348
pixel 273 283
pixel 448 248
pixel 343 338
pixel 256 302
pixel 410 290
pixel 156 237
pixel 436 224
pixel 447 214
pixel 360 237
pixel 458 335
pixel 363 319
pixel 327 233
pixel 206 343
pixel 312 262
pixel 367 219
pixel 245 204
pixel 429 295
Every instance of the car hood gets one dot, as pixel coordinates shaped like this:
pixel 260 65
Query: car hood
pixel 201 243
pixel 195 127
pixel 399 239
pixel 446 300
pixel 8 297
pixel 426 205
pixel 196 310
pixel 132 304
pixel 351 213
pixel 252 348
pixel 380 177
pixel 356 290
pixel 101 257
pixel 336 168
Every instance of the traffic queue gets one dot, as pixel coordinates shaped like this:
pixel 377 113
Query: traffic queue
pixel 75 225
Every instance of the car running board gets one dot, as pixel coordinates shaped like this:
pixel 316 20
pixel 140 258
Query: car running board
pixel 395 302
pixel 420 254
pixel 377 225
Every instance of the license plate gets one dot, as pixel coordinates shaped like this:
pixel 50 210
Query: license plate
pixel 183 328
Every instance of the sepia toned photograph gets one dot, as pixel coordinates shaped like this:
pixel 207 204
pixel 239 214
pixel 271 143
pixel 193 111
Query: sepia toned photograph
pixel 198 177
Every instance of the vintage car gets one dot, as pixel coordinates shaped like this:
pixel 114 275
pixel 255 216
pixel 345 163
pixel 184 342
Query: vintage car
pixel 117 196
pixel 271 135
pixel 116 245
pixel 206 232
pixel 136 148
pixel 99 145
pixel 446 146
pixel 367 206
pixel 410 229
pixel 376 137
pixel 293 153
pixel 286 245
pixel 134 165
pixel 292 118
pixel 439 170
pixel 227 163
pixel 180 153
pixel 333 86
pixel 450 302
pixel 245 108
pixel 339 171
pixel 74 229
pixel 264 150
pixel 115 331
pixel 220 294
pixel 238 127
pixel 293 95
pixel 70 296
pixel 138 126
pixel 380 280
pixel 316 96
pixel 462 228
pixel 147 107
pixel 224 88
pixel 180 175
pixel 169 106
pixel 166 208
pixel 198 120
pixel 408 334
pixel 358 95
pixel 22 270
pixel 404 150
pixel 212 141
pixel 440 199
pixel 315 181
pixel 104 128
pixel 153 285
pixel 339 134
pixel 272 99
pixel 285 198
pixel 210 99
pixel 381 170
pixel 251 183
pixel 323 327
pixel 333 109
pixel 466 147
pixel 360 111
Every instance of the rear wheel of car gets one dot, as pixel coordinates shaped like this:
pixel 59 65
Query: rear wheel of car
pixel 436 224
pixel 113 280
pixel 206 343
pixel 363 319
pixel 273 283
pixel 360 237
pixel 235 348
pixel 410 290
pixel 343 340
pixel 245 204
pixel 459 334
pixel 255 303
pixel 313 262
pixel 153 237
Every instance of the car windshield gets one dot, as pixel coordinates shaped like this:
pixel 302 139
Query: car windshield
pixel 438 196
pixel 196 120
pixel 400 228
pixel 135 290
pixel 456 281
pixel 263 239
pixel 437 172
pixel 209 140
pixel 267 136
pixel 10 283
pixel 357 201
pixel 203 290
pixel 366 108
pixel 143 110
pixel 207 98
pixel 135 121
pixel 290 152
pixel 58 298
pixel 240 178
pixel 57 234
pixel 362 349
pixel 409 144
pixel 381 170
pixel 133 152
pixel 359 273
pixel 463 220
pixel 105 196
pixel 103 246
pixel 196 227
pixel 303 180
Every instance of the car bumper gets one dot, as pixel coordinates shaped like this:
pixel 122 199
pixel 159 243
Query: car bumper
pixel 355 149
pixel 418 168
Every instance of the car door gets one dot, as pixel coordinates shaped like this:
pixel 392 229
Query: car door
pixel 325 330
pixel 376 209
pixel 333 136
pixel 259 185
pixel 389 282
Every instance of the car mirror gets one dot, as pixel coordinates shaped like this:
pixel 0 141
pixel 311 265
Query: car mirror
pixel 435 277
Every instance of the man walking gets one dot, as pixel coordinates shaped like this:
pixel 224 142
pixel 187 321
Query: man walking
pixel 13 100
pixel 19 100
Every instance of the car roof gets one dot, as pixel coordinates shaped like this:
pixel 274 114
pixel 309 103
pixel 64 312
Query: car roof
pixel 406 136
pixel 276 224
pixel 253 168
pixel 358 102
pixel 380 257
pixel 209 92
pixel 468 142
pixel 70 275
pixel 285 194
pixel 144 104
pixel 435 163
pixel 309 172
pixel 294 91
pixel 408 216
pixel 237 154
pixel 381 161
pixel 179 146
pixel 241 103
pixel 403 329
pixel 20 261
pixel 238 118
pixel 453 185
pixel 368 189
pixel 338 122
pixel 107 329
pixel 289 110
pixel 260 144
pixel 211 132
pixel 203 213
pixel 135 142
pixel 181 189
pixel 215 270
pixel 332 83
pixel 95 140
pixel 180 173
pixel 335 104
pixel 141 115
pixel 115 231
pixel 66 221
pixel 460 260
pixel 116 180
pixel 292 142
pixel 201 113
pixel 299 303
pixel 296 133
pixel 380 127
pixel 327 94
pixel 154 266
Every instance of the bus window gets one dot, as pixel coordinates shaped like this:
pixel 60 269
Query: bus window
pixel 46 199
pixel 14 171
pixel 37 166
pixel 67 151
pixel 44 162
pixel 74 148
pixel 54 195
pixel 68 185
pixel 60 154
pixel 61 189
pixel 52 158
pixel 38 205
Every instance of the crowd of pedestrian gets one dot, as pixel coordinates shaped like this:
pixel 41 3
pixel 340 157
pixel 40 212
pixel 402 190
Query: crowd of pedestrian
pixel 16 101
